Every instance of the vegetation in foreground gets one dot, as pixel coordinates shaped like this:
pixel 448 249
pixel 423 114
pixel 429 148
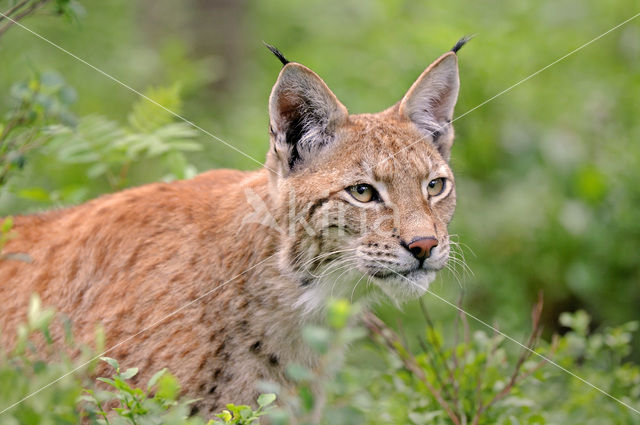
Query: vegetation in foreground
pixel 473 377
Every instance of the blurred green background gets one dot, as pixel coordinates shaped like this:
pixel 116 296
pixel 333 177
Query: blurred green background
pixel 547 174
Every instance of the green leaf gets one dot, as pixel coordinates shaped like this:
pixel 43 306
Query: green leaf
pixel 225 415
pixel 266 399
pixel 155 377
pixel 97 170
pixel 147 115
pixel 338 313
pixel 168 387
pixel 129 373
pixel 112 362
pixel 108 381
pixel 177 164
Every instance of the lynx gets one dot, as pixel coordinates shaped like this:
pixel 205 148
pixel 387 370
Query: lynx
pixel 214 277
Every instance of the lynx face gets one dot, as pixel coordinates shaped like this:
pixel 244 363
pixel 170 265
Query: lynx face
pixel 366 195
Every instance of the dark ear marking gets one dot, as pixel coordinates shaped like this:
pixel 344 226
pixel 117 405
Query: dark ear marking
pixel 277 53
pixel 304 115
pixel 293 136
pixel 461 43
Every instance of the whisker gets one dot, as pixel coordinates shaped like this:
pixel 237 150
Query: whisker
pixel 331 267
pixel 324 255
pixel 355 286
pixel 333 285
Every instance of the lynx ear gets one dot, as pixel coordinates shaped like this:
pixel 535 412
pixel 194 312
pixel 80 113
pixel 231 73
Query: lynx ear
pixel 304 116
pixel 430 101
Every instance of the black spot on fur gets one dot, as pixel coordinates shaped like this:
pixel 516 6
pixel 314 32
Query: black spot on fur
pixel 273 360
pixel 277 53
pixel 194 410
pixel 255 347
pixel 306 281
pixel 220 348
pixel 461 43
pixel 213 389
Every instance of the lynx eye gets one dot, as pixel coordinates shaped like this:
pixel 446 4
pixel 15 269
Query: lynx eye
pixel 363 192
pixel 436 186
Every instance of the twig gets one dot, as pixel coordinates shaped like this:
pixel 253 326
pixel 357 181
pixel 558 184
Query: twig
pixel 452 380
pixel 443 361
pixel 379 328
pixel 482 372
pixel 35 6
pixel 524 355
pixel 14 9
pixel 436 370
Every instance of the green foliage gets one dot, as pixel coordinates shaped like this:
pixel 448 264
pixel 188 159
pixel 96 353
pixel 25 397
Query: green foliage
pixel 101 149
pixel 245 415
pixel 39 384
pixel 37 103
pixel 156 404
pixel 481 378
pixel 318 391
pixel 473 377
pixel 26 377
pixel 159 403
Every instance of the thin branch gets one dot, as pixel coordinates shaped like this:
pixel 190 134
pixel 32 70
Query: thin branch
pixel 436 370
pixel 14 9
pixel 438 350
pixel 456 366
pixel 379 328
pixel 35 6
pixel 516 378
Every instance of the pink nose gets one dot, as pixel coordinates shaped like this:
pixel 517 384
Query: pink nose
pixel 421 247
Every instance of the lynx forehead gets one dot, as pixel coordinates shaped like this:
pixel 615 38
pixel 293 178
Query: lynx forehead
pixel 343 199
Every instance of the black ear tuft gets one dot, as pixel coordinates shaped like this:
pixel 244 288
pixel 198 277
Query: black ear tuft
pixel 277 52
pixel 461 43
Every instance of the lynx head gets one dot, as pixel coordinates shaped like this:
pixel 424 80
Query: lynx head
pixel 370 194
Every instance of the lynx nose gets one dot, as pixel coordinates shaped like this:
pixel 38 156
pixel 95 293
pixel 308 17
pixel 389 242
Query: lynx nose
pixel 421 247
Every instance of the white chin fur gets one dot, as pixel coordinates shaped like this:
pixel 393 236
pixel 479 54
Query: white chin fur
pixel 400 288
